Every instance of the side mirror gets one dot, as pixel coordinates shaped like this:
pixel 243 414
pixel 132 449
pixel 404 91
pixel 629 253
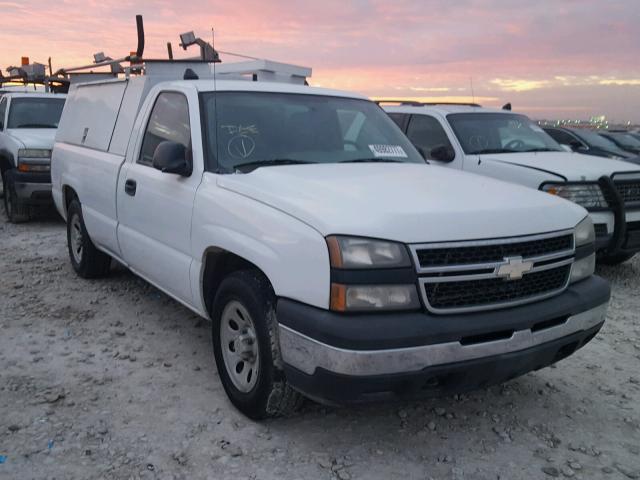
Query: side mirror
pixel 172 157
pixel 443 153
pixel 575 146
pixel 566 147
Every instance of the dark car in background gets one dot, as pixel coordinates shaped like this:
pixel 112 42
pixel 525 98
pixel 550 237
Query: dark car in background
pixel 589 142
pixel 624 140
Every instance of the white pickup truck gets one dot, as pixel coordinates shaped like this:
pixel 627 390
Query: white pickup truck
pixel 28 123
pixel 510 147
pixel 332 260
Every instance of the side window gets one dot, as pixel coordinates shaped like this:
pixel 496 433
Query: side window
pixel 563 138
pixel 3 111
pixel 169 120
pixel 398 118
pixel 426 133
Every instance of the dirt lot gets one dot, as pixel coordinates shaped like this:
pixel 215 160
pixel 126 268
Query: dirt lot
pixel 112 379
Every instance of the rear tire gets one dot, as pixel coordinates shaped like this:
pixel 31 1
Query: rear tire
pixel 247 349
pixel 86 259
pixel 616 259
pixel 15 211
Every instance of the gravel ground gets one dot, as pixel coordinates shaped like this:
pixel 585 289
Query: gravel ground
pixel 113 379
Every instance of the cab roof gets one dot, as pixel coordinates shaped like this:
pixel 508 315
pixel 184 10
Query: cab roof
pixel 442 109
pixel 14 94
pixel 209 85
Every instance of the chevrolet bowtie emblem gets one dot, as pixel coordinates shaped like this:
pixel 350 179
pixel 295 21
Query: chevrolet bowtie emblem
pixel 513 268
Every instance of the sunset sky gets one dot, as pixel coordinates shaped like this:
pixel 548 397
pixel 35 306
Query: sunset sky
pixel 567 59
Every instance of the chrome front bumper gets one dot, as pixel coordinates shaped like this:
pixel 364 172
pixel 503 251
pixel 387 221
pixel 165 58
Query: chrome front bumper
pixel 306 354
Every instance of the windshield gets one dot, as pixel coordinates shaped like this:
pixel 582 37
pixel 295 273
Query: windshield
pixel 624 139
pixel 260 128
pixel 35 112
pixel 499 133
pixel 596 140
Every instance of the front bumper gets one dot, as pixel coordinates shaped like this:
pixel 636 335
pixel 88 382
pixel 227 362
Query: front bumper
pixel 33 188
pixel 342 359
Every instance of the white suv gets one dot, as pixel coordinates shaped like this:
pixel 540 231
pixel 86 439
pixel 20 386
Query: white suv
pixel 28 123
pixel 510 147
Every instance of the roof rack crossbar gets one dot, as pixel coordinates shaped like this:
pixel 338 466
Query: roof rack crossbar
pixel 416 103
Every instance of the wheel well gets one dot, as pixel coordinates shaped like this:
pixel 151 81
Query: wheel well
pixel 68 194
pixel 218 264
pixel 5 164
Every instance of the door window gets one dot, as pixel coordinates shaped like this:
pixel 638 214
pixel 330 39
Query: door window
pixel 169 121
pixel 426 133
pixel 398 118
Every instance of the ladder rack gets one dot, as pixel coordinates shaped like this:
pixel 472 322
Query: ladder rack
pixel 207 65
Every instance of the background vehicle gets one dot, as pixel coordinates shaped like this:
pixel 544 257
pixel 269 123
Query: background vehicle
pixel 624 140
pixel 28 123
pixel 510 147
pixel 331 260
pixel 585 141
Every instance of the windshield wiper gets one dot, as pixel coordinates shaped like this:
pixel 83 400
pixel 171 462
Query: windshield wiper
pixel 35 125
pixel 251 166
pixel 541 150
pixel 372 160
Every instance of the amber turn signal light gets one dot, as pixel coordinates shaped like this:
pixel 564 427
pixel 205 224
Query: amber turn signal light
pixel 335 255
pixel 338 301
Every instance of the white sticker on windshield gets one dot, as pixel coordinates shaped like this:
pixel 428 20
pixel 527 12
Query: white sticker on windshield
pixel 388 151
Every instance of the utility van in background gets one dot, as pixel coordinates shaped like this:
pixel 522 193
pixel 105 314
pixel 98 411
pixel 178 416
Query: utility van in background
pixel 331 260
pixel 28 123
pixel 510 147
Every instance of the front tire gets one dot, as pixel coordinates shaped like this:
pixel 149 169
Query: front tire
pixel 246 347
pixel 86 259
pixel 13 209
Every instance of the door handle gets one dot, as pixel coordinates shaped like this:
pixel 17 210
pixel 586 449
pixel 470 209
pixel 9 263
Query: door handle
pixel 130 187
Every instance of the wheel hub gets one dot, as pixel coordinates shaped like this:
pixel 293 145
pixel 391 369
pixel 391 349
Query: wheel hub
pixel 75 238
pixel 239 346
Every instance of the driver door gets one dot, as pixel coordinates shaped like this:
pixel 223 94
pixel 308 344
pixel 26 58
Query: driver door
pixel 155 208
pixel 430 138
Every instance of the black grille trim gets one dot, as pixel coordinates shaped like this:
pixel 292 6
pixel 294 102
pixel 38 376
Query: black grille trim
pixel 479 254
pixel 475 294
pixel 629 191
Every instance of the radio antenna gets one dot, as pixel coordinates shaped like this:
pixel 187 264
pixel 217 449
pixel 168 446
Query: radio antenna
pixel 473 95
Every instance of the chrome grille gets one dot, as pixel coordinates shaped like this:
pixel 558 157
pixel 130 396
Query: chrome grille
pixel 629 191
pixel 488 274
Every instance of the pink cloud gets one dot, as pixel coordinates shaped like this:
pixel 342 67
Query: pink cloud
pixel 377 47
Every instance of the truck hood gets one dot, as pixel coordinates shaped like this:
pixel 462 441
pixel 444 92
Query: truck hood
pixel 34 137
pixel 404 202
pixel 571 166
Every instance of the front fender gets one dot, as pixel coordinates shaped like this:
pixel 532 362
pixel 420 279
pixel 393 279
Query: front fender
pixel 292 255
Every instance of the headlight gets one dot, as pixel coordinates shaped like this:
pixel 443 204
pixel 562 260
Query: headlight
pixel 34 153
pixel 583 268
pixel 587 195
pixel 584 232
pixel 353 252
pixel 373 297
